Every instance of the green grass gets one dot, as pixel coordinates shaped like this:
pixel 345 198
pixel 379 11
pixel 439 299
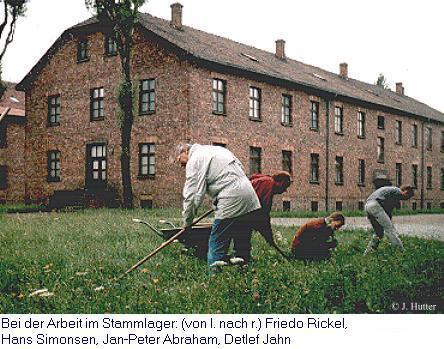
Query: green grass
pixel 71 254
pixel 351 213
pixel 20 208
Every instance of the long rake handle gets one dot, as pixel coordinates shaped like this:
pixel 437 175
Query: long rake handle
pixel 166 243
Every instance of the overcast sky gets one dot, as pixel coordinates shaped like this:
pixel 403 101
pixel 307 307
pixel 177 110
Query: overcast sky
pixel 401 39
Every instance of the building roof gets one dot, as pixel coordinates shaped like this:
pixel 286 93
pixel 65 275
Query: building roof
pixel 212 50
pixel 12 102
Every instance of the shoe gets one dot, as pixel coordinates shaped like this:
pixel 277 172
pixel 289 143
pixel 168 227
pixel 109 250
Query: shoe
pixel 237 261
pixel 218 264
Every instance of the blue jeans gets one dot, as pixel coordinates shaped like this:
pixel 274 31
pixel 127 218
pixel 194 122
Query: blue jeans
pixel 223 231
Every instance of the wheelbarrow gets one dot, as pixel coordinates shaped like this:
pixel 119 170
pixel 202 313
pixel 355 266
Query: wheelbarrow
pixel 194 240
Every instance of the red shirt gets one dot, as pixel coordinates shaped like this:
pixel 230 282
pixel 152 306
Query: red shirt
pixel 265 187
pixel 312 234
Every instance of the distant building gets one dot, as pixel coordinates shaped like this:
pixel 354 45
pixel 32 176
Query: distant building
pixel 336 135
pixel 12 145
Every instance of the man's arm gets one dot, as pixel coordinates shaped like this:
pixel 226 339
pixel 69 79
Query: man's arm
pixel 194 189
pixel 264 227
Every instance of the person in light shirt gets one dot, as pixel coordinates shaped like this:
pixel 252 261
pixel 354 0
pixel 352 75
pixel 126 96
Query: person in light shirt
pixel 215 171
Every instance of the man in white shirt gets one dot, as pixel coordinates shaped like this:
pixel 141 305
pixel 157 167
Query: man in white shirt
pixel 215 171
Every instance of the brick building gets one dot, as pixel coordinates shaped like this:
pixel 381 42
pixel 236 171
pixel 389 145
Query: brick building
pixel 12 145
pixel 333 133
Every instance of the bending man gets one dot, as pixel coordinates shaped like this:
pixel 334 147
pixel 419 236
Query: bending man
pixel 379 207
pixel 266 187
pixel 217 172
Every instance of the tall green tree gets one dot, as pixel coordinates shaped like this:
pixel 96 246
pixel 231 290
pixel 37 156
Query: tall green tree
pixel 12 10
pixel 120 16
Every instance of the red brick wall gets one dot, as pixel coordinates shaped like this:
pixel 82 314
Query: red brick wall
pixel 73 82
pixel 184 112
pixel 239 132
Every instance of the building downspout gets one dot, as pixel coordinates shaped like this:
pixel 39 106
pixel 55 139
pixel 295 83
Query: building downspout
pixel 327 153
pixel 421 204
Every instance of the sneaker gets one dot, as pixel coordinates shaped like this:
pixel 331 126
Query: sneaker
pixel 237 261
pixel 218 264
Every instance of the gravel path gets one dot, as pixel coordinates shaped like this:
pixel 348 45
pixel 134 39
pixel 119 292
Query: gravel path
pixel 430 226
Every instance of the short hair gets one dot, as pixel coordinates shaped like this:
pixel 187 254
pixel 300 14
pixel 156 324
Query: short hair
pixel 409 189
pixel 181 147
pixel 282 176
pixel 337 216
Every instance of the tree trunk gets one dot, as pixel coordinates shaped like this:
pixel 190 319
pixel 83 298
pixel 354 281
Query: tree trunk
pixel 126 126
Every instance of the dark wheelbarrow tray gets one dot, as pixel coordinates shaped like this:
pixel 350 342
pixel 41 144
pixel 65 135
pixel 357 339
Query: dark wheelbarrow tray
pixel 195 239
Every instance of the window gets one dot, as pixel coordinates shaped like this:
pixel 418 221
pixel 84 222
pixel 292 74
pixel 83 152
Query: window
pixel 415 176
pixel 110 45
pixel 339 166
pixel 414 136
pixel 398 132
pixel 97 165
pixel 414 206
pixel 54 110
pixel 255 160
pixel 286 206
pixel 361 124
pixel 146 203
pixel 380 149
pixel 398 174
pixel 314 206
pixel 147 160
pixel 381 122
pixel 97 104
pixel 286 117
pixel 3 177
pixel 361 172
pixel 429 206
pixel 147 96
pixel 338 206
pixel 54 166
pixel 255 103
pixel 223 145
pixel 429 177
pixel 314 168
pixel 339 120
pixel 82 50
pixel 361 205
pixel 442 178
pixel 442 141
pixel 287 163
pixel 428 137
pixel 219 92
pixel 314 125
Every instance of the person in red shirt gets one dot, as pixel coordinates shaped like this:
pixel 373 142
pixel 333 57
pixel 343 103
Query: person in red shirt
pixel 315 239
pixel 266 187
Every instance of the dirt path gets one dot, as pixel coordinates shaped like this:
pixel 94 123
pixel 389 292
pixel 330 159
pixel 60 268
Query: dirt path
pixel 430 226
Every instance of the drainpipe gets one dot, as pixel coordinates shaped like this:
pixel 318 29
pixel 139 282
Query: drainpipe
pixel 421 204
pixel 327 153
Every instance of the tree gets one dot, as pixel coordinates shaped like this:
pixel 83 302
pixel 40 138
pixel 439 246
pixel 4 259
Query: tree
pixel 13 9
pixel 382 81
pixel 120 17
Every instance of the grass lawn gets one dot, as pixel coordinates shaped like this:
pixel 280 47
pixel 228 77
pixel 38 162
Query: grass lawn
pixel 71 254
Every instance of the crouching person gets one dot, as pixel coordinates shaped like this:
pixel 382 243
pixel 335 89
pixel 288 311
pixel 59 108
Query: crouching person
pixel 315 239
pixel 215 171
pixel 379 207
